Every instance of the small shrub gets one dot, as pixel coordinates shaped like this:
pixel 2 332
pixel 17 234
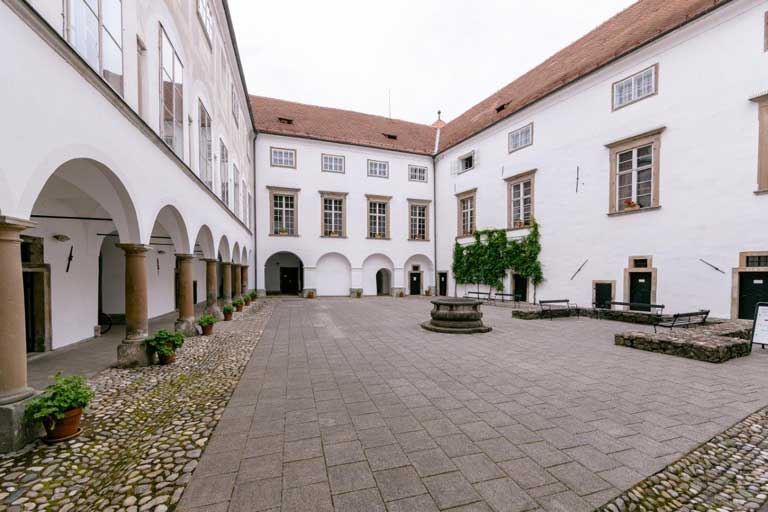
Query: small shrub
pixel 65 394
pixel 165 343
pixel 238 302
pixel 206 320
pixel 228 309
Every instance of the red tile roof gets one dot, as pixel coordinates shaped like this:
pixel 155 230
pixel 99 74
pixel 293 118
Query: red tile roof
pixel 344 126
pixel 632 28
pixel 635 26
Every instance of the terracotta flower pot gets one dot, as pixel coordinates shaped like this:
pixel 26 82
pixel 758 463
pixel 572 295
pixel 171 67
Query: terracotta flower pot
pixel 64 428
pixel 227 317
pixel 238 307
pixel 167 359
pixel 207 330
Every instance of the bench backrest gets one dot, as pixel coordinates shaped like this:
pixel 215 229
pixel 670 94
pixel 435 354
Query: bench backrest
pixel 637 305
pixel 555 301
pixel 703 314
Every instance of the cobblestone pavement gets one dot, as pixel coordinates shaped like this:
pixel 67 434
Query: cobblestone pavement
pixel 143 434
pixel 348 405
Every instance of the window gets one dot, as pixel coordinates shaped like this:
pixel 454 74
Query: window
pixel 250 210
pixel 378 216
pixel 235 105
pixel 640 262
pixel 378 169
pixel 283 206
pixel 521 138
pixel 520 197
pixel 95 31
pixel 205 15
pixel 418 215
pixel 417 173
pixel 236 190
pixel 634 175
pixel 757 261
pixel 332 163
pixel 281 157
pixel 467 162
pixel 333 214
pixel 171 96
pixel 205 149
pixel 635 88
pixel 224 173
pixel 467 212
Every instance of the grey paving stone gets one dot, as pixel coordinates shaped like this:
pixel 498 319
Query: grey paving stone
pixel 527 473
pixel 311 498
pixel 344 453
pixel 259 468
pixel 338 434
pixel 431 462
pixel 519 434
pixel 304 472
pixel 450 490
pixel 257 496
pixel 304 449
pixel 479 431
pixel 333 418
pixel 350 477
pixel 545 454
pixel 504 495
pixel 208 490
pixel 578 478
pixel 477 468
pixel 398 483
pixel 374 437
pixel 386 457
pixel 415 441
pixel 462 415
pixel 565 502
pixel 457 445
pixel 441 427
pixel 592 458
pixel 367 421
pixel 218 463
pixel 402 424
pixel 422 503
pixel 367 500
pixel 622 477
pixel 499 449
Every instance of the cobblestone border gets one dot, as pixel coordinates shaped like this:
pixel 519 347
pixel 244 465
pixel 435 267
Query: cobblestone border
pixel 143 434
pixel 729 473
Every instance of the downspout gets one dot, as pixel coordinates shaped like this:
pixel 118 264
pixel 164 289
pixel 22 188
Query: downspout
pixel 434 214
pixel 255 223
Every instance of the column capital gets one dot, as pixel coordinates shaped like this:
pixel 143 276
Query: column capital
pixel 184 257
pixel 10 227
pixel 236 265
pixel 210 260
pixel 227 263
pixel 134 248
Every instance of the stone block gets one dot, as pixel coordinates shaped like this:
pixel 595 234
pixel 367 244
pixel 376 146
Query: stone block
pixel 15 433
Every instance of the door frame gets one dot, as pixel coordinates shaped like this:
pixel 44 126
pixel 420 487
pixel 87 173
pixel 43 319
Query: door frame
pixel 438 283
pixel 298 280
pixel 631 268
pixel 45 269
pixel 736 275
pixel 595 282
pixel 421 281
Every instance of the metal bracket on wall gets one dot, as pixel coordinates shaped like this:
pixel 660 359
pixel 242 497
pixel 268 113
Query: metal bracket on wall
pixel 579 269
pixel 711 265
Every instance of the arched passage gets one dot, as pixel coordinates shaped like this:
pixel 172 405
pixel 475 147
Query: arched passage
pixel 383 282
pixel 333 275
pixel 377 274
pixel 419 274
pixel 283 274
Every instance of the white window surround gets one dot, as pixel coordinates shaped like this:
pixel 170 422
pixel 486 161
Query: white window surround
pixel 378 169
pixel 637 87
pixel 205 146
pixel 224 172
pixel 418 220
pixel 282 157
pixel 205 15
pixel 520 138
pixel 332 163
pixel 417 173
pixel 171 91
pixel 467 162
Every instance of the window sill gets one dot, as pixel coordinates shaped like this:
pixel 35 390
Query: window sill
pixel 468 235
pixel 630 212
pixel 283 236
pixel 418 239
pixel 761 192
pixel 374 238
pixel 328 236
pixel 519 229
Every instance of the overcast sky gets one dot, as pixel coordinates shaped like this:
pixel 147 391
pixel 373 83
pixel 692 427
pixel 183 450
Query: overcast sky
pixel 432 54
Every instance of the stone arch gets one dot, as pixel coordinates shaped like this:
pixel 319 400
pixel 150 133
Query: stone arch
pixel 223 250
pixel 371 266
pixel 204 242
pixel 244 256
pixel 426 272
pixel 333 275
pixel 283 273
pixel 172 224
pixel 236 253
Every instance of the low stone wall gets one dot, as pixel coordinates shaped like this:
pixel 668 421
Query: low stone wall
pixel 535 314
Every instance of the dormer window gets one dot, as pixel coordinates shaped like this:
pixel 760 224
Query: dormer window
pixel 635 88
pixel 390 136
pixel 467 162
pixel 521 138
pixel 285 120
pixel 501 107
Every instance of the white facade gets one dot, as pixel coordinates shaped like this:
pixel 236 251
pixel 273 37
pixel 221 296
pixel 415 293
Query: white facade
pixel 89 164
pixel 707 72
pixel 339 265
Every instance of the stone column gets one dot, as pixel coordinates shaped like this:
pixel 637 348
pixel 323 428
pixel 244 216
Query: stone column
pixel 133 351
pixel 237 281
pixel 244 279
pixel 226 279
pixel 211 289
pixel 185 324
pixel 13 338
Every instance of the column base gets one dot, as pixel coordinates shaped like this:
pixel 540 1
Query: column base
pixel 398 292
pixel 215 310
pixel 186 326
pixel 132 354
pixel 15 432
pixel 17 396
pixel 261 293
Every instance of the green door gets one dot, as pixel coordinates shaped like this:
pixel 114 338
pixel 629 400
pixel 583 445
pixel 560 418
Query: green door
pixel 603 295
pixel 753 288
pixel 640 289
pixel 520 285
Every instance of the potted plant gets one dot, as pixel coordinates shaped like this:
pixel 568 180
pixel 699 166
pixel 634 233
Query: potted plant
pixel 228 310
pixel 206 323
pixel 246 298
pixel 254 296
pixel 334 234
pixel 311 294
pixel 428 292
pixel 60 407
pixel 519 223
pixel 401 294
pixel 238 303
pixel 630 205
pixel 165 343
pixel 358 293
pixel 283 232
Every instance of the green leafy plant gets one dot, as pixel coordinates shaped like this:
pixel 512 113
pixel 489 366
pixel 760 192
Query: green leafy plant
pixel 487 259
pixel 206 319
pixel 165 343
pixel 238 302
pixel 254 295
pixel 65 394
pixel 228 309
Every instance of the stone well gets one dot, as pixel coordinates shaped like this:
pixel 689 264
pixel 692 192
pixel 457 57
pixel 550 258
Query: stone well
pixel 456 316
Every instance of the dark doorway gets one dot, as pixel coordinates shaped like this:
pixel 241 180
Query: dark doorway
pixel 520 287
pixel 442 280
pixel 194 292
pixel 383 282
pixel 753 288
pixel 640 290
pixel 603 295
pixel 289 280
pixel 415 287
pixel 34 310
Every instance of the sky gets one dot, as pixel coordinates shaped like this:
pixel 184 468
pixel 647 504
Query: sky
pixel 419 55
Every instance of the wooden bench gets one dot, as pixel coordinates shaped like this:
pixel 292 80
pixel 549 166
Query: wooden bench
pixel 478 295
pixel 641 308
pixel 549 307
pixel 683 319
pixel 510 297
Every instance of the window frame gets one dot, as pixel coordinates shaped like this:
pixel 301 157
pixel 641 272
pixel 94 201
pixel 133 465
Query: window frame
pixel 368 168
pixel 287 192
pixel 462 158
pixel 180 151
pixel 418 203
pixel 652 138
pixel 460 198
pixel 654 68
pixel 205 172
pixel 223 172
pixel 333 196
pixel 412 167
pixel 272 163
pixel 386 200
pixel 207 30
pixel 323 156
pixel 236 107
pixel 520 180
pixel 236 190
pixel 510 149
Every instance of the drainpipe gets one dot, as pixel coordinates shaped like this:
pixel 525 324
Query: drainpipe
pixel 255 223
pixel 434 214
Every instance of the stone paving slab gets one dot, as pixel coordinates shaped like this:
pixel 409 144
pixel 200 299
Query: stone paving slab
pixel 368 412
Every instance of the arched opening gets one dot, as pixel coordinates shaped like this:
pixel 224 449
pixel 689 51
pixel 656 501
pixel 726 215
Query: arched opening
pixel 333 275
pixel 419 275
pixel 223 255
pixel 284 274
pixel 383 282
pixel 169 237
pixel 82 210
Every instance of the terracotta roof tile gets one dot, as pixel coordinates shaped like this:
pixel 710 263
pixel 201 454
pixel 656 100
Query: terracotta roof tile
pixel 635 26
pixel 344 126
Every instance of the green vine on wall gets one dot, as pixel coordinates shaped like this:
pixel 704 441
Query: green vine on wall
pixel 488 258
